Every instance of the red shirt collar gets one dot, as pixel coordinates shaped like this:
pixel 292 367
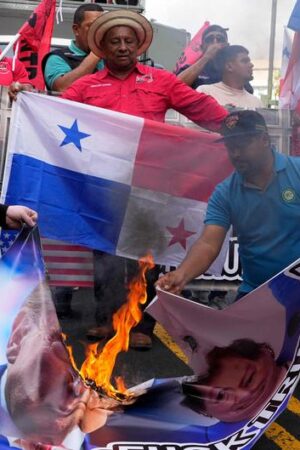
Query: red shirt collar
pixel 140 68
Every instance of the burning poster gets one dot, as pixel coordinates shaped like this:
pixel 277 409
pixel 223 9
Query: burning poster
pixel 246 366
pixel 45 400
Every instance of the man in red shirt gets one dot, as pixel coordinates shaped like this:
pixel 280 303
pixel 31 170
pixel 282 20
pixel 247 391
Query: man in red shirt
pixel 127 86
pixel 10 72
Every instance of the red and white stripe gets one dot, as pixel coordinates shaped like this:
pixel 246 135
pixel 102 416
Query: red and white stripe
pixel 68 264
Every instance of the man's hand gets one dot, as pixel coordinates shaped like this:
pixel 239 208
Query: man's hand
pixel 91 57
pixel 173 282
pixel 16 87
pixel 97 411
pixel 212 50
pixel 16 215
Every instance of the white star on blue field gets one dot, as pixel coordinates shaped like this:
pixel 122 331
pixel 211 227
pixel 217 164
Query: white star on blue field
pixel 73 135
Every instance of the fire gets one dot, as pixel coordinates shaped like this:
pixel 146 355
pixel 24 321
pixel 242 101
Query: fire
pixel 99 364
pixel 70 351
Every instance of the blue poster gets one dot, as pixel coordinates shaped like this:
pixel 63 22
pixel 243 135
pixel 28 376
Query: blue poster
pixel 246 362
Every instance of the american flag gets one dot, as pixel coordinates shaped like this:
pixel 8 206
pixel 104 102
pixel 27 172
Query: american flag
pixel 66 264
pixel 7 238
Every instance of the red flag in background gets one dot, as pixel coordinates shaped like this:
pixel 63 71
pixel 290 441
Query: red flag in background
pixel 193 51
pixel 35 41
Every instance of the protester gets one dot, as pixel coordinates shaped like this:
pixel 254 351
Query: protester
pixel 147 92
pixel 241 378
pixel 12 72
pixel 13 216
pixel 127 86
pixel 260 199
pixel 206 69
pixel 65 65
pixel 236 69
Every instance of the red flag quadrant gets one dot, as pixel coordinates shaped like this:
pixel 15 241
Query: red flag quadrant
pixel 35 41
pixel 179 161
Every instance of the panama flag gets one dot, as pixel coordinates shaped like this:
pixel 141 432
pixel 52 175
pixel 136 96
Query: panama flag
pixel 111 181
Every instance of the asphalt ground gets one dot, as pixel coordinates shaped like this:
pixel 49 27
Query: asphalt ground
pixel 166 360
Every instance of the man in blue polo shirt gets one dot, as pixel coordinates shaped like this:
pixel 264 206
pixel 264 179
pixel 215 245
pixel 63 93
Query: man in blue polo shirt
pixel 63 66
pixel 261 200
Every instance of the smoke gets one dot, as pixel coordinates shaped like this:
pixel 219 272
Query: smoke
pixel 143 232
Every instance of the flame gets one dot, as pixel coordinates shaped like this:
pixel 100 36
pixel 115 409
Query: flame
pixel 98 365
pixel 70 351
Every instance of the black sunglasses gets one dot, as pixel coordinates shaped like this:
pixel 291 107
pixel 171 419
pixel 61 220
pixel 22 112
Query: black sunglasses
pixel 215 37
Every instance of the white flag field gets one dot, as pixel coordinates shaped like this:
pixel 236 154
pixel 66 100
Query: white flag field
pixel 111 181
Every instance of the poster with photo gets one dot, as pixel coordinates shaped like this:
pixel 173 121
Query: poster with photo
pixel 245 360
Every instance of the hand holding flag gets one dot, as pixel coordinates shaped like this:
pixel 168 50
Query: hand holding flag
pixel 16 214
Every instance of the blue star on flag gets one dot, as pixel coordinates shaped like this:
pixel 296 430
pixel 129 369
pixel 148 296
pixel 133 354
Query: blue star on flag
pixel 73 135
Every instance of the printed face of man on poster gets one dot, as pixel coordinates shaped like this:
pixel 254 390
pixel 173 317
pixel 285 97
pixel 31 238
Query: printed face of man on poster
pixel 44 396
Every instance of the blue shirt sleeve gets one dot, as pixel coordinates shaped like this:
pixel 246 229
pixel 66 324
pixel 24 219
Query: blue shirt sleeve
pixel 55 67
pixel 218 209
